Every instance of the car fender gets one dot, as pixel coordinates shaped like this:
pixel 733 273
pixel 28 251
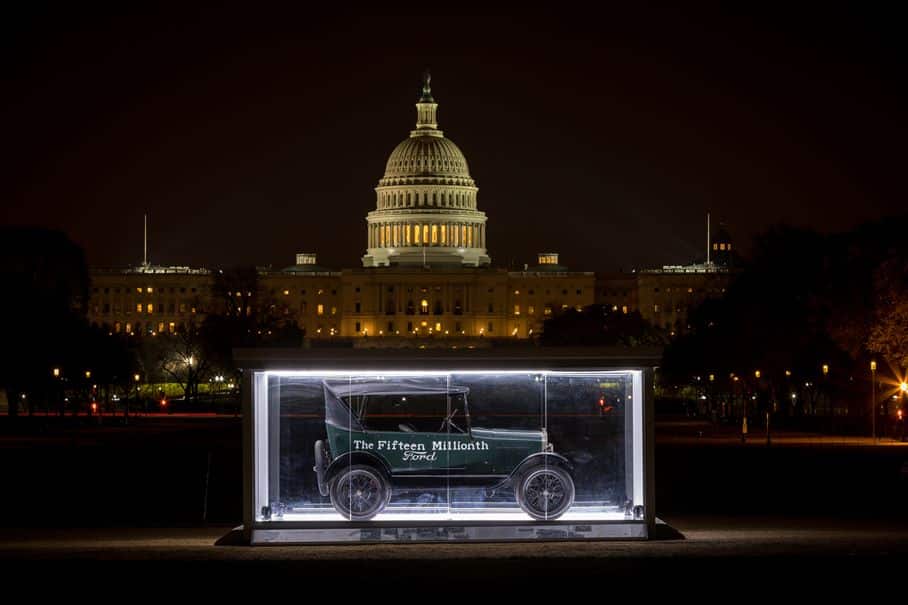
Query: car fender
pixel 351 458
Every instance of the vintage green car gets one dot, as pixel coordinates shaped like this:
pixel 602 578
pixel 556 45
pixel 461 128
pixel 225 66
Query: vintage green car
pixel 407 433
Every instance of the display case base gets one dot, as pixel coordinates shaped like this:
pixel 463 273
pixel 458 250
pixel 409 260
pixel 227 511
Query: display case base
pixel 621 530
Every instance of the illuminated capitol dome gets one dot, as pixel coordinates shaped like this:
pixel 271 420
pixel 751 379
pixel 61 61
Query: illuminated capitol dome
pixel 426 202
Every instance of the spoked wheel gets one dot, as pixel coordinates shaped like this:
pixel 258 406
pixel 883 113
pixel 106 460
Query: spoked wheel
pixel 360 492
pixel 545 493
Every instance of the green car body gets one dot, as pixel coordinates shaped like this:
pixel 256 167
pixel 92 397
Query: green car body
pixel 382 435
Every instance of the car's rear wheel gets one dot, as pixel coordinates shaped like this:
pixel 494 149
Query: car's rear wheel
pixel 545 492
pixel 359 492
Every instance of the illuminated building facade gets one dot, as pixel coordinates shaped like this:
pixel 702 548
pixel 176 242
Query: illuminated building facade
pixel 426 272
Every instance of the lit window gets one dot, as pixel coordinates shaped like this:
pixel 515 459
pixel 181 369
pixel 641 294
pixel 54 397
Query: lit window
pixel 333 310
pixel 531 310
pixel 150 308
pixel 320 310
pixel 172 327
pixel 434 234
pixel 721 246
pixel 516 309
pixel 728 246
pixel 424 307
pixel 438 326
pixel 624 309
pixel 117 327
pixel 128 327
pixel 149 289
pixel 138 307
pixel 655 308
pixel 547 310
pixel 138 290
pixel 161 326
pixel 715 246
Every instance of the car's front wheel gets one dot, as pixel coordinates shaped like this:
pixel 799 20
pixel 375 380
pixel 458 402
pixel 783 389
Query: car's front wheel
pixel 359 492
pixel 545 492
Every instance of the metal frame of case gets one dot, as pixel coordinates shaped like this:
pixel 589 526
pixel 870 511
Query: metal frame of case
pixel 256 362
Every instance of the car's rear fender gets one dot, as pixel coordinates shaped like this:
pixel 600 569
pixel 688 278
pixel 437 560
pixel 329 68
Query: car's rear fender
pixel 350 458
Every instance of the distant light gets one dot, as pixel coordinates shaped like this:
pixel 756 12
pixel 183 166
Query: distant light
pixel 825 369
pixel 56 372
pixel 904 387
pixel 135 377
pixel 788 372
pixel 794 396
pixel 88 373
pixel 873 366
pixel 757 373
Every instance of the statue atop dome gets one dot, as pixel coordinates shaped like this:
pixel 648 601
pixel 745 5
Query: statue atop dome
pixel 426 88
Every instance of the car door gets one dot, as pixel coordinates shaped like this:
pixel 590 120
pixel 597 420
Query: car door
pixel 404 429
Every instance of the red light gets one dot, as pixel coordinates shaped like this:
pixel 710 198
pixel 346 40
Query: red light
pixel 163 403
pixel 94 408
pixel 601 401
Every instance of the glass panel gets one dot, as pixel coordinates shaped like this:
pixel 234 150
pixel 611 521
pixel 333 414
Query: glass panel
pixel 516 446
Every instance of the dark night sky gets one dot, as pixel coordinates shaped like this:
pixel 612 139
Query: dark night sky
pixel 605 137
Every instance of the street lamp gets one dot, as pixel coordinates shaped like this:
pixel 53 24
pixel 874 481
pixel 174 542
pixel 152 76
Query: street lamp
pixel 873 398
pixel 135 378
pixel 825 369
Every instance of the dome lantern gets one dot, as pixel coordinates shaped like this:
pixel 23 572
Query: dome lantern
pixel 426 122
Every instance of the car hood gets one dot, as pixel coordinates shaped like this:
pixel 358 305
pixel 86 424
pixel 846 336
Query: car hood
pixel 506 434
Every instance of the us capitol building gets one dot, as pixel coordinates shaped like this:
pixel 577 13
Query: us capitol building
pixel 426 273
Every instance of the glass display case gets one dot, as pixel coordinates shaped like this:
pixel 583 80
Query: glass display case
pixel 378 447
